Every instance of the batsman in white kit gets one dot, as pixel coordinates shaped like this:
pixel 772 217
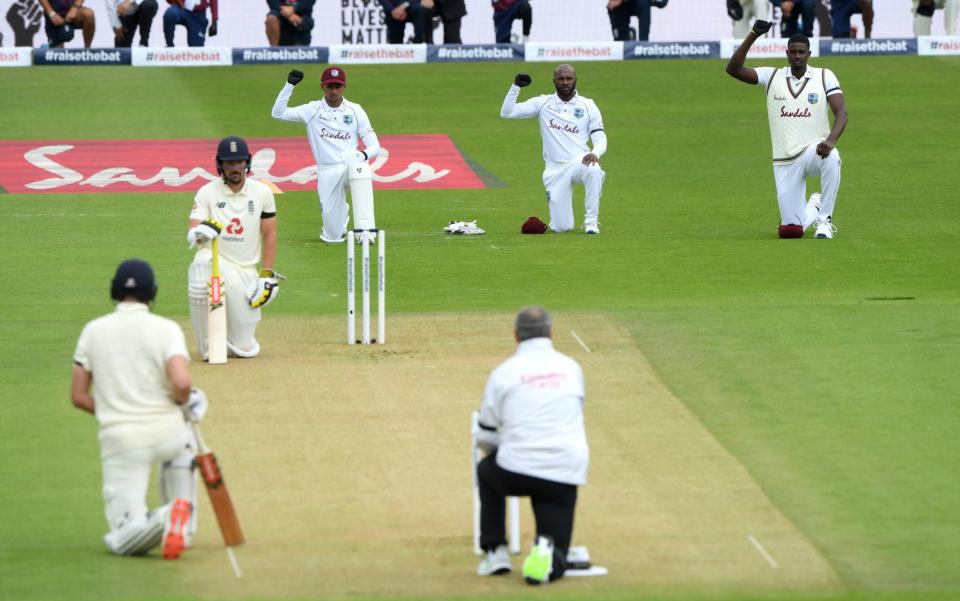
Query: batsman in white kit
pixel 799 100
pixel 567 122
pixel 335 127
pixel 241 214
pixel 130 370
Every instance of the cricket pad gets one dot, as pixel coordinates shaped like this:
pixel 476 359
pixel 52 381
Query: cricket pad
pixel 533 226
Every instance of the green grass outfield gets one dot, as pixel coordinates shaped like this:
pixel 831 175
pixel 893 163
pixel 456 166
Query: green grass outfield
pixel 828 369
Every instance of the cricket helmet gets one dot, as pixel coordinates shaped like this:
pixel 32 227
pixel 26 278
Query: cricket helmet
pixel 232 148
pixel 134 277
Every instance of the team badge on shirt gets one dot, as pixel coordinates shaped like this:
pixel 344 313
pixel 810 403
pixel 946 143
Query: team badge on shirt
pixel 578 113
pixel 812 98
pixel 250 206
pixel 221 204
pixel 347 119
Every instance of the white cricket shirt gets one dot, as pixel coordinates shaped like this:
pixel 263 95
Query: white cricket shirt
pixel 797 109
pixel 240 213
pixel 126 354
pixel 565 126
pixel 535 398
pixel 332 132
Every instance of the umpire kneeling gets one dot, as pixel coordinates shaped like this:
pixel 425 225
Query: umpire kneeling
pixel 531 424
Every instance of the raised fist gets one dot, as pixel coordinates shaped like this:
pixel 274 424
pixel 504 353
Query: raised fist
pixel 761 27
pixel 522 80
pixel 295 77
pixel 734 10
pixel 212 32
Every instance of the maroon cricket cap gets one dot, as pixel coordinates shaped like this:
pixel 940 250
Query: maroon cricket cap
pixel 333 75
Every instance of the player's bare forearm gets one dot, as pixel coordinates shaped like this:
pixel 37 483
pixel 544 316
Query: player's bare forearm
pixel 80 389
pixel 268 230
pixel 839 108
pixel 180 382
pixel 735 66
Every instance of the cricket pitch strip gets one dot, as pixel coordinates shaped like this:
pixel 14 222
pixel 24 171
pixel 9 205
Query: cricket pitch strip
pixel 350 470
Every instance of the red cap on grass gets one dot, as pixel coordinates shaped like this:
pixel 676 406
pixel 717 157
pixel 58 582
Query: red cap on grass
pixel 791 231
pixel 333 75
pixel 533 226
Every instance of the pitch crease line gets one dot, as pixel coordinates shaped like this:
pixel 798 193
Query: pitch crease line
pixel 582 343
pixel 234 563
pixel 773 562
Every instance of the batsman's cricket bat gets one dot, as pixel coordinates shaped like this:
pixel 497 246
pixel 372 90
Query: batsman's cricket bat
pixel 218 493
pixel 216 313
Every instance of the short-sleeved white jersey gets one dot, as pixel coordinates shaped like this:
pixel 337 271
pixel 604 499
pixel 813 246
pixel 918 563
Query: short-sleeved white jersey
pixel 535 398
pixel 565 126
pixel 126 354
pixel 830 82
pixel 240 212
pixel 332 131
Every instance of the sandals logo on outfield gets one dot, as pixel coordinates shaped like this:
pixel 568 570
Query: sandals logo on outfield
pixel 415 162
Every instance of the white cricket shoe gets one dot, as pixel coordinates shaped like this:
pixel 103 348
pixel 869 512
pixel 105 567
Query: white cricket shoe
pixel 591 227
pixel 495 563
pixel 332 241
pixel 825 228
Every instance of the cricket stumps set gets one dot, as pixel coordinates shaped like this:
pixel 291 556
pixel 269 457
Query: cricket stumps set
pixel 364 237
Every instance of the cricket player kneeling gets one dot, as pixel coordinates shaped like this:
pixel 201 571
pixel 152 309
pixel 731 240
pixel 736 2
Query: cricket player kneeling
pixel 131 372
pixel 240 213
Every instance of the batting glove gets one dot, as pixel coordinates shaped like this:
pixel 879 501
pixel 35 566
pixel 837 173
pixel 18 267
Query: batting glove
pixel 761 27
pixel 734 10
pixel 197 405
pixel 262 292
pixel 522 80
pixel 295 77
pixel 208 229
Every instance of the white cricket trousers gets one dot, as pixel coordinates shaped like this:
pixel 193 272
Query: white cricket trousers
pixel 791 181
pixel 242 319
pixel 332 188
pixel 126 476
pixel 559 178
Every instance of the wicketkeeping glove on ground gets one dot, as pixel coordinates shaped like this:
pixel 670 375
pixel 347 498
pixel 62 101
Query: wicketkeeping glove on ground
pixel 197 405
pixel 761 27
pixel 262 292
pixel 522 79
pixel 735 10
pixel 208 229
pixel 295 77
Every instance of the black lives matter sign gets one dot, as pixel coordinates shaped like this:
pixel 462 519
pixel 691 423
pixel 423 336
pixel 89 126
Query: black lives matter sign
pixel 362 22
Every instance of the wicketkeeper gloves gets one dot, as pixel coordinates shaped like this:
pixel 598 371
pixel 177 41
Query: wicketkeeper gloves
pixel 761 27
pixel 208 229
pixel 522 80
pixel 734 9
pixel 196 406
pixel 295 77
pixel 262 292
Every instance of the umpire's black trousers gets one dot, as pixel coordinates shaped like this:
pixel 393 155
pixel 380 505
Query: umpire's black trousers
pixel 553 506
